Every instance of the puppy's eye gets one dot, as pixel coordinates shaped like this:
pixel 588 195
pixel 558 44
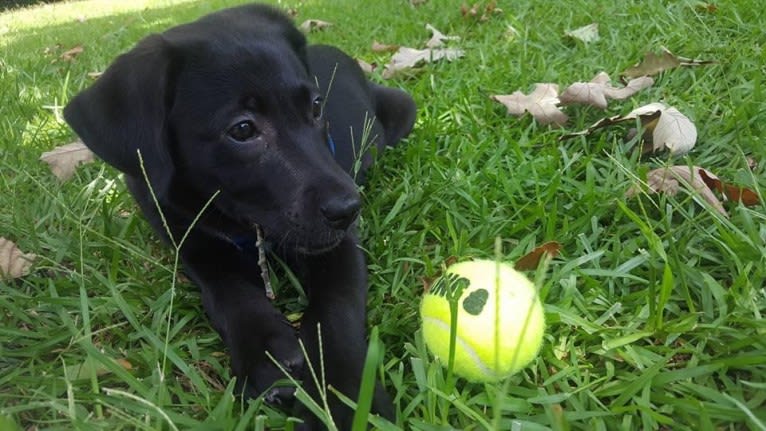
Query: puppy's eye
pixel 243 131
pixel 316 107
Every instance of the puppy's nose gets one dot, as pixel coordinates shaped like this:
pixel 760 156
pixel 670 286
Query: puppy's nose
pixel 339 213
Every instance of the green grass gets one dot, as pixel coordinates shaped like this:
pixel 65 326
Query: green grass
pixel 655 308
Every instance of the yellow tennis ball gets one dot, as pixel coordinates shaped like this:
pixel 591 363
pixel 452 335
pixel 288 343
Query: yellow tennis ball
pixel 489 345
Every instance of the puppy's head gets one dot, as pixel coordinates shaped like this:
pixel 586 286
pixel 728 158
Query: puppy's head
pixel 224 104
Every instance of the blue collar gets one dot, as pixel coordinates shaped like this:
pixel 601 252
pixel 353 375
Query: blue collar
pixel 245 243
pixel 331 144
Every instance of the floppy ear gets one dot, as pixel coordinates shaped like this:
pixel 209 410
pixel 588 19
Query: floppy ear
pixel 124 112
pixel 395 110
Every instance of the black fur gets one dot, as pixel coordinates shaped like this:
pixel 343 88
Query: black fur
pixel 229 104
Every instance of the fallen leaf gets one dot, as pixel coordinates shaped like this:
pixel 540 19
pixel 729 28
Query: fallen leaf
pixel 469 11
pixel 427 283
pixel 586 34
pixel 491 7
pixel 668 128
pixel 450 260
pixel 706 7
pixel 672 130
pixel 645 117
pixel 382 47
pixel 418 2
pixel 366 67
pixel 729 191
pixel 94 75
pixel 532 259
pixel 438 38
pixel 13 262
pixel 71 54
pixel 669 180
pixel 480 12
pixel 52 50
pixel 407 58
pixel 653 64
pixel 542 103
pixel 64 160
pixel 690 62
pixel 599 89
pixel 312 25
pixel 124 363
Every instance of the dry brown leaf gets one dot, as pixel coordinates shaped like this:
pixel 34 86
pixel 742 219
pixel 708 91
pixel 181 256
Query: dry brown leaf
pixel 542 103
pixel 585 34
pixel 668 128
pixel 428 282
pixel 52 50
pixel 669 180
pixel 730 192
pixel 382 47
pixel 599 89
pixel 71 54
pixel 653 64
pixel 690 62
pixel 366 67
pixel 438 38
pixel 407 58
pixel 532 259
pixel 64 160
pixel 752 164
pixel 124 363
pixel 646 118
pixel 706 7
pixel 13 262
pixel 480 12
pixel 673 130
pixel 312 25
pixel 469 11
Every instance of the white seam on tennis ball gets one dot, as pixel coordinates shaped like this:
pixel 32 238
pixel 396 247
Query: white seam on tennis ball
pixel 468 348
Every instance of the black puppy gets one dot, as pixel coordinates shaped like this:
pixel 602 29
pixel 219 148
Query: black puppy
pixel 237 104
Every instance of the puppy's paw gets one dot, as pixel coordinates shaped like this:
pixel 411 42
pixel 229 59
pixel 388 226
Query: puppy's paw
pixel 262 374
pixel 271 382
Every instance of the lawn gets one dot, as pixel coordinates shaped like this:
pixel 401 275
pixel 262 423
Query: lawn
pixel 655 306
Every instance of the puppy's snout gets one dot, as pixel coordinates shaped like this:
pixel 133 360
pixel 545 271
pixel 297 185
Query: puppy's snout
pixel 339 213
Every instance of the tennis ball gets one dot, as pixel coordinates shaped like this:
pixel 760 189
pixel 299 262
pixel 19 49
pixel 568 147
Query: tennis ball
pixel 488 346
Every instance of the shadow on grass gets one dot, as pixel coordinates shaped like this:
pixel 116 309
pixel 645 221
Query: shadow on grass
pixel 35 82
pixel 135 24
pixel 13 4
pixel 103 37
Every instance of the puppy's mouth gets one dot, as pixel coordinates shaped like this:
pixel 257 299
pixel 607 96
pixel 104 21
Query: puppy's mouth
pixel 322 245
pixel 301 240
